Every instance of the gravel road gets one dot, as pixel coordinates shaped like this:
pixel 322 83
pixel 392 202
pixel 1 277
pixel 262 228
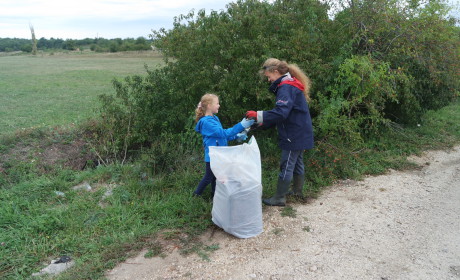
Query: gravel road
pixel 401 225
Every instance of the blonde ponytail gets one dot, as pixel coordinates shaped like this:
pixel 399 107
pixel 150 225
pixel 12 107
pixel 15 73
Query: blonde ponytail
pixel 300 75
pixel 202 106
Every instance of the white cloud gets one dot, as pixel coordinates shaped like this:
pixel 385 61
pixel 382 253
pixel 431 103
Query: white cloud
pixel 77 19
pixel 87 18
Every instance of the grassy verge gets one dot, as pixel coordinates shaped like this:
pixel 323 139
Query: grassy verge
pixel 42 215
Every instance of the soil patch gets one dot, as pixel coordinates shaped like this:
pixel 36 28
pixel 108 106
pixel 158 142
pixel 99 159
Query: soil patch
pixel 48 155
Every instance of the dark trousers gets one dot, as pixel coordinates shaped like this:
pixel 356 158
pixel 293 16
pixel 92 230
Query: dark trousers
pixel 291 164
pixel 208 178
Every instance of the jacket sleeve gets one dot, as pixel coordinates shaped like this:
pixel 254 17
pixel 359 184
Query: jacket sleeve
pixel 283 106
pixel 215 129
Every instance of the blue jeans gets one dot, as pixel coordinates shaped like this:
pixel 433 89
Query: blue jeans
pixel 208 178
pixel 291 163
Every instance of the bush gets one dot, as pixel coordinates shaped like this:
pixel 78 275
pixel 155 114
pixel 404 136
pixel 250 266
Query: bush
pixel 418 41
pixel 373 64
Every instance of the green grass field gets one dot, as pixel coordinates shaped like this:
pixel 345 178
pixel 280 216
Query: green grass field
pixel 62 88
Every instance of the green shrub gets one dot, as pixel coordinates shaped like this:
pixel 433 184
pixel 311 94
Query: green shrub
pixel 373 64
pixel 354 105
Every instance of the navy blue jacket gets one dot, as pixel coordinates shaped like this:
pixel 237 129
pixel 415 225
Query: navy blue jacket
pixel 214 134
pixel 291 115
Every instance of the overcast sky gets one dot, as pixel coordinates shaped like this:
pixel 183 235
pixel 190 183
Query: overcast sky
pixel 79 19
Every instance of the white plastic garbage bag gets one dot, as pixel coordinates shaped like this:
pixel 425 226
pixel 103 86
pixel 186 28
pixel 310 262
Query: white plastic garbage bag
pixel 237 204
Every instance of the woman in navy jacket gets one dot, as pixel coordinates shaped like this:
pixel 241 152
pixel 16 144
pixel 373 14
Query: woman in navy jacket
pixel 291 116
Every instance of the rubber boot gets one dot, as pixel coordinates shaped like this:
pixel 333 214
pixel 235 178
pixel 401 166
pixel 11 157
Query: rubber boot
pixel 279 199
pixel 297 185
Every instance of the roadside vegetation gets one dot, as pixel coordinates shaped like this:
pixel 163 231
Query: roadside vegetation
pixel 385 85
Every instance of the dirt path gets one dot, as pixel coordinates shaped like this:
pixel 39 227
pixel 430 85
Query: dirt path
pixel 402 225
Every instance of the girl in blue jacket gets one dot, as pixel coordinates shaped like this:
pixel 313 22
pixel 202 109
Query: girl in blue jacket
pixel 208 124
pixel 291 116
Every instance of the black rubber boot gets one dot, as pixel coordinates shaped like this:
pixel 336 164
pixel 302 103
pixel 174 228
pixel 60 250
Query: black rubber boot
pixel 279 199
pixel 297 185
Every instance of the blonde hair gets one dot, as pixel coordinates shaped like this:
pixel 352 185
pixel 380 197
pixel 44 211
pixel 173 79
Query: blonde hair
pixel 202 106
pixel 283 67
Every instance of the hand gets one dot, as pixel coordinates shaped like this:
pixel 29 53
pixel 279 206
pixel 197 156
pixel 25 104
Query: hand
pixel 251 115
pixel 241 137
pixel 247 122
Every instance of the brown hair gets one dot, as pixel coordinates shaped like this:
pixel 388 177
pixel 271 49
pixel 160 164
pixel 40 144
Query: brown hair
pixel 283 67
pixel 202 106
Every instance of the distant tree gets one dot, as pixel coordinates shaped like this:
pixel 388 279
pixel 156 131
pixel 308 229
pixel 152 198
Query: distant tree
pixel 114 47
pixel 85 42
pixel 13 44
pixel 141 41
pixel 56 43
pixel 118 41
pixel 42 43
pixel 26 48
pixel 96 44
pixel 69 45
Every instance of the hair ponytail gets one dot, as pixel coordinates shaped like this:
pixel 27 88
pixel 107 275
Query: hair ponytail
pixel 300 75
pixel 199 112
pixel 202 106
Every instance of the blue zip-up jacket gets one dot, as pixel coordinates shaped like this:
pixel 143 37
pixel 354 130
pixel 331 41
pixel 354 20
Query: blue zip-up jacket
pixel 214 134
pixel 291 115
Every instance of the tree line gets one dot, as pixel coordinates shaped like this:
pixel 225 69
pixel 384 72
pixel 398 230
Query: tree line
pixel 96 44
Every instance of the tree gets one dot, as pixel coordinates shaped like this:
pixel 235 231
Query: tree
pixel 417 40
pixel 375 62
pixel 69 44
pixel 226 49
